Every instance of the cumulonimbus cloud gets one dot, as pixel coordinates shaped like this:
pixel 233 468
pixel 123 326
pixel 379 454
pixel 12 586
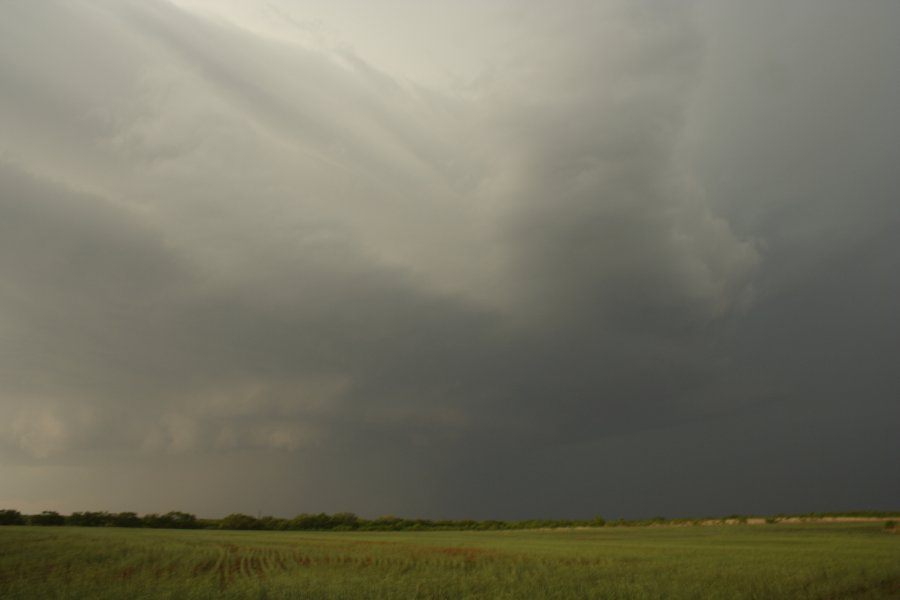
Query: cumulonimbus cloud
pixel 215 241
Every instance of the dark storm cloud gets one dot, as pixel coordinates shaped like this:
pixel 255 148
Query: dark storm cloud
pixel 585 282
pixel 111 320
pixel 813 175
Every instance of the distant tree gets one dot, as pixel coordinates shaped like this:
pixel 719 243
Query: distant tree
pixel 127 519
pixel 273 523
pixel 386 523
pixel 171 520
pixel 240 521
pixel 181 520
pixel 153 520
pixel 302 521
pixel 48 517
pixel 598 521
pixel 318 522
pixel 307 522
pixel 9 516
pixel 344 521
pixel 90 519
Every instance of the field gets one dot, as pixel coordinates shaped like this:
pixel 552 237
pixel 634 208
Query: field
pixel 795 561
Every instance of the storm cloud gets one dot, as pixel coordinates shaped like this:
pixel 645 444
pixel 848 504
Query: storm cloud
pixel 619 258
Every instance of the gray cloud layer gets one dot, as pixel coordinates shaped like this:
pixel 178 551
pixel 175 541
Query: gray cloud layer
pixel 642 262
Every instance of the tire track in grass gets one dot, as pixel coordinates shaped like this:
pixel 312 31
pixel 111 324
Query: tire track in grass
pixel 218 566
pixel 204 565
pixel 277 563
pixel 243 571
pixel 231 564
pixel 274 566
pixel 301 559
pixel 280 561
pixel 266 562
pixel 256 563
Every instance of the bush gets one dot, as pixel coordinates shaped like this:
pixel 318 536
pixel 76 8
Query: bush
pixel 48 517
pixel 240 521
pixel 127 519
pixel 314 522
pixel 182 520
pixel 273 523
pixel 890 525
pixel 170 520
pixel 344 521
pixel 90 519
pixel 11 517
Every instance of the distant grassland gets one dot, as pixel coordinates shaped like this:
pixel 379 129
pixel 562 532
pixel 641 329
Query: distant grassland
pixel 791 561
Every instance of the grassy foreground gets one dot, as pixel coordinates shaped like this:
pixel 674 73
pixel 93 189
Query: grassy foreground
pixel 804 561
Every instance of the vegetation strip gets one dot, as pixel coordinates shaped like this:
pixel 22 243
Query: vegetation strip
pixel 345 521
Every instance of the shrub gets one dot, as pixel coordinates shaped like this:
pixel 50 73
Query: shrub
pixel 90 519
pixel 171 520
pixel 240 521
pixel 273 523
pixel 48 517
pixel 181 520
pixel 11 517
pixel 344 521
pixel 127 519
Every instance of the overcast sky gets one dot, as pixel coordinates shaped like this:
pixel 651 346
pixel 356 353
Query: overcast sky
pixel 468 259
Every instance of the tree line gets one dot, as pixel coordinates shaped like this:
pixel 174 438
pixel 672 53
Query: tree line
pixel 347 521
pixel 170 520
pixel 341 521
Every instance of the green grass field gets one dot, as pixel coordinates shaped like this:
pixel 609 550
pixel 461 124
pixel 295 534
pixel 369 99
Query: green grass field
pixel 803 561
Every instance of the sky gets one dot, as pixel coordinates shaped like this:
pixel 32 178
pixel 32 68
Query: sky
pixel 506 259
